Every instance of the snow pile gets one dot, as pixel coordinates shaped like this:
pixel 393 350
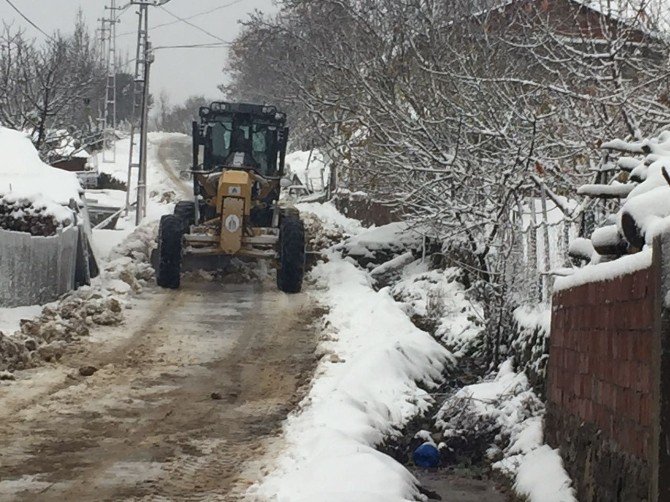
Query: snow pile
pixel 366 387
pixel 45 338
pixel 381 244
pixel 503 419
pixel 23 174
pixel 325 226
pixel 439 303
pixel 32 194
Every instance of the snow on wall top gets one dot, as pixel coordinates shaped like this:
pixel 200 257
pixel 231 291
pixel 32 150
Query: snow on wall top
pixel 605 271
pixel 23 176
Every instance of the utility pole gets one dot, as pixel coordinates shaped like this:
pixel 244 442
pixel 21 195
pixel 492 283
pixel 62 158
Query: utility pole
pixel 103 57
pixel 109 131
pixel 144 130
pixel 143 61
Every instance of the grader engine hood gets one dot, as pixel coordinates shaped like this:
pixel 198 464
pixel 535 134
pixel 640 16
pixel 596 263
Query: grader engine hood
pixel 233 204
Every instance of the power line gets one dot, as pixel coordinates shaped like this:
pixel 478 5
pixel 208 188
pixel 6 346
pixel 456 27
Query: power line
pixel 28 20
pixel 194 46
pixel 193 25
pixel 204 13
pixel 187 46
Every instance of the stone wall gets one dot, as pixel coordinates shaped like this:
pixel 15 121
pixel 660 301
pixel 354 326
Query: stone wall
pixel 360 206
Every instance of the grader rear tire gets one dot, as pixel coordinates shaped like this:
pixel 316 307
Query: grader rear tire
pixel 291 254
pixel 169 252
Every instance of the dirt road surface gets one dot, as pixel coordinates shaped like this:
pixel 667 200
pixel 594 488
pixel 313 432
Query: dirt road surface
pixel 187 396
pixel 145 426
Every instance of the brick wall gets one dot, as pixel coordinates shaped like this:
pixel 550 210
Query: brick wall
pixel 601 385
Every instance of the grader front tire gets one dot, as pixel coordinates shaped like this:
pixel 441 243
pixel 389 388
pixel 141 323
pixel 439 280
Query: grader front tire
pixel 169 252
pixel 291 254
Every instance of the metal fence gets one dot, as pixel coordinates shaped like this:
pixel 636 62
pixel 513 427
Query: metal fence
pixel 36 270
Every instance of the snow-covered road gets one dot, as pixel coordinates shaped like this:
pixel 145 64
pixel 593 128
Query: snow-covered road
pixel 145 424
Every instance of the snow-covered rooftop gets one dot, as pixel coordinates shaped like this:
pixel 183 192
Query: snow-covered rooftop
pixel 23 175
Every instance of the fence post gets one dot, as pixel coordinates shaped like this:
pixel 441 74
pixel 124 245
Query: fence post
pixel 547 255
pixel 532 246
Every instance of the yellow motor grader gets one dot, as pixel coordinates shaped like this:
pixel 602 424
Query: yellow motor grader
pixel 235 208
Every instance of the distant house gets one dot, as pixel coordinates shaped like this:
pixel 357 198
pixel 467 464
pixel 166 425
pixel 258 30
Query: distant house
pixel 572 19
pixel 77 162
pixel 66 152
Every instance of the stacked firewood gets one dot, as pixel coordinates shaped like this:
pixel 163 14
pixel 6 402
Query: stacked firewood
pixel 23 215
pixel 642 185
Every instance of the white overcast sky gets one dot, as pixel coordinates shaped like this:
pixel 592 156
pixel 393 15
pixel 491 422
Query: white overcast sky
pixel 181 72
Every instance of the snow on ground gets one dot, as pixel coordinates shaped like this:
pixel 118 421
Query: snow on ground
pixel 438 297
pixel 366 386
pixel 11 317
pixel 313 172
pixel 44 337
pixel 106 197
pixel 159 182
pixel 157 178
pixel 330 216
pixel 106 240
pixel 123 255
pixel 506 409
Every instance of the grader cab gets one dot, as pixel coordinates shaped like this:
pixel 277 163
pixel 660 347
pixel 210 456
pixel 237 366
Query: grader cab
pixel 235 208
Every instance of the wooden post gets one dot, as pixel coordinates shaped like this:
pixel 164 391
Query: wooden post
pixel 547 255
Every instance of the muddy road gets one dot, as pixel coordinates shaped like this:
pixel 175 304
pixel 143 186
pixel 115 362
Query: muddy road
pixel 187 391
pixel 187 400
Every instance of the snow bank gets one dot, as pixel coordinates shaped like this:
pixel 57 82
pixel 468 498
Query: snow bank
pixel 372 247
pixel 365 388
pixel 24 177
pixel 330 216
pixel 508 411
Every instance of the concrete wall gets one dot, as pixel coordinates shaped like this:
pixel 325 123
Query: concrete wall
pixel 36 270
pixel 607 384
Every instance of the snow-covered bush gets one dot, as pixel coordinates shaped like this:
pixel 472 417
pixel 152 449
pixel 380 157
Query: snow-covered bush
pixel 438 302
pixel 528 343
